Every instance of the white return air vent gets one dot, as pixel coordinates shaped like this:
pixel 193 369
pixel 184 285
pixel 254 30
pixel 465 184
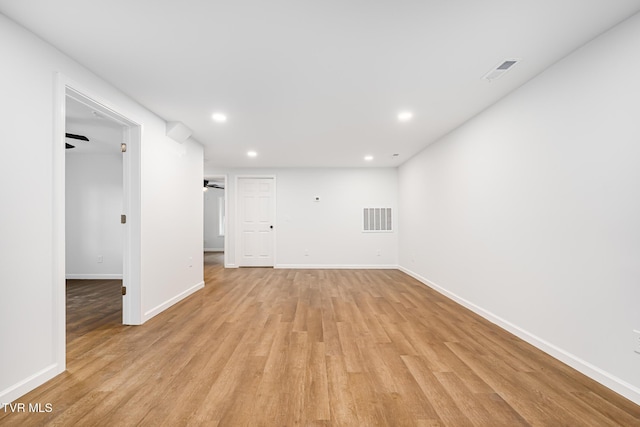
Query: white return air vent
pixel 377 220
pixel 500 69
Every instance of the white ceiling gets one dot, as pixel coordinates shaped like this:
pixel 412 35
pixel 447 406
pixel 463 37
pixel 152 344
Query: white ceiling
pixel 316 83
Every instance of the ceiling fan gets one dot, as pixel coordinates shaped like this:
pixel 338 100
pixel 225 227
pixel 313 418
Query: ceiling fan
pixel 74 136
pixel 208 184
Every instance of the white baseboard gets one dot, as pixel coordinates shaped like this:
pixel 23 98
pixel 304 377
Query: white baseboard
pixel 162 307
pixel 94 276
pixel 214 249
pixel 15 391
pixel 338 266
pixel 605 378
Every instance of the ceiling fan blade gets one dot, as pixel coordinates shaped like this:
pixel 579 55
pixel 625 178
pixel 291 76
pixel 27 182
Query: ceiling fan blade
pixel 74 136
pixel 207 184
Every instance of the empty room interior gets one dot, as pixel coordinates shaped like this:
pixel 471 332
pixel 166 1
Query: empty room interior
pixel 320 213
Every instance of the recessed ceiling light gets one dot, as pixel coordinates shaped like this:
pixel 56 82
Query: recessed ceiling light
pixel 219 117
pixel 368 158
pixel 252 153
pixel 405 116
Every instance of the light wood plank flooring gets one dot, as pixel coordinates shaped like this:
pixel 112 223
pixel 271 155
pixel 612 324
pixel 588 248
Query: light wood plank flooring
pixel 264 347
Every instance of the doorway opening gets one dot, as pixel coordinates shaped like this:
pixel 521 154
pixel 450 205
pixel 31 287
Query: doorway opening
pixel 125 197
pixel 94 238
pixel 215 219
pixel 65 88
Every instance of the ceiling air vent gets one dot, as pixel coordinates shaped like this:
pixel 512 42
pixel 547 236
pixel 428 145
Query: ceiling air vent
pixel 500 69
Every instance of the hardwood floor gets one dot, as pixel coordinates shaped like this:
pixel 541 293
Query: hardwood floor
pixel 314 347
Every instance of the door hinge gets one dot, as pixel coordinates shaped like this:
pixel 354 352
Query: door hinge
pixel 124 290
pixel 123 219
pixel 123 147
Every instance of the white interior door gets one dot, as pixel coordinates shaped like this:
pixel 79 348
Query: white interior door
pixel 256 215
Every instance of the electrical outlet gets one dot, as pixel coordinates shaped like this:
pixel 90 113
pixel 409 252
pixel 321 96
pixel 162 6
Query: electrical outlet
pixel 100 259
pixel 306 252
pixel 637 344
pixel 378 252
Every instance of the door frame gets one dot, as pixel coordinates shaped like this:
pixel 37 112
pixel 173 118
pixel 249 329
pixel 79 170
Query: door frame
pixel 237 220
pixel 131 309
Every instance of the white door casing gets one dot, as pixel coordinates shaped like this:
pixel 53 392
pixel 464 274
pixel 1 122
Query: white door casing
pixel 256 221
pixel 131 302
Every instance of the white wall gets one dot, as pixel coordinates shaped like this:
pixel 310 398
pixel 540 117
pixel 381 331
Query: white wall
pixel 94 196
pixel 331 229
pixel 529 213
pixel 213 241
pixel 171 208
pixel 172 222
